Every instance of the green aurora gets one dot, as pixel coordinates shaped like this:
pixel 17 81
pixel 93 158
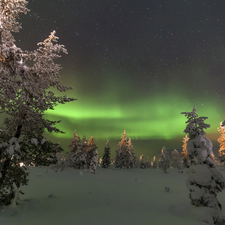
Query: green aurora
pixel 151 121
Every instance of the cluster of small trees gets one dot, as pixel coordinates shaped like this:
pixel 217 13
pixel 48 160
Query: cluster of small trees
pixel 82 154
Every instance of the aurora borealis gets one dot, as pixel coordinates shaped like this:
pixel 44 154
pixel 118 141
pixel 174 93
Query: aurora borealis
pixel 135 66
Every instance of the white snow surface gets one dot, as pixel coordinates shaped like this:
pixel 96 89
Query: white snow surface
pixel 109 197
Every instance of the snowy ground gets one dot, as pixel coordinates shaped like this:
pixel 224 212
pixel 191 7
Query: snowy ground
pixel 109 197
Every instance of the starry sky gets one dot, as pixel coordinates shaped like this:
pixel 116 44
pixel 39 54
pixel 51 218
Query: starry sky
pixel 135 65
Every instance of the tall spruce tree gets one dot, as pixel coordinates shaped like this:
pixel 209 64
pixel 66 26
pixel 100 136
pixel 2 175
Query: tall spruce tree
pixel 204 181
pixel 106 156
pixel 23 96
pixel 221 140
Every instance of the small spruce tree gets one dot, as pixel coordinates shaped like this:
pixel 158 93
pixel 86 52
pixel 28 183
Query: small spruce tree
pixel 164 160
pixel 153 164
pixel 106 156
pixel 184 152
pixel 142 162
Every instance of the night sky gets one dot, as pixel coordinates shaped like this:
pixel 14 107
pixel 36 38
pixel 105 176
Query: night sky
pixel 135 66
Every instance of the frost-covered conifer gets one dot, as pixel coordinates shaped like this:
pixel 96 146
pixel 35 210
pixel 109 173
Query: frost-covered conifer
pixel 81 155
pixel 184 152
pixel 164 160
pixel 94 161
pixel 106 156
pixel 221 140
pixel 91 147
pixel 176 160
pixel 204 181
pixel 153 163
pixel 24 96
pixel 124 156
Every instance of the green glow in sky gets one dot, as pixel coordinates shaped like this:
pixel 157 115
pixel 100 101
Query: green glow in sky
pixel 153 117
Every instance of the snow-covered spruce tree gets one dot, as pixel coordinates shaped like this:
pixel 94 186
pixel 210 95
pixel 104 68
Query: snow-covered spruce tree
pixel 142 162
pixel 153 163
pixel 91 147
pixel 176 160
pixel 164 160
pixel 23 95
pixel 204 181
pixel 74 142
pixel 184 152
pixel 94 161
pixel 81 155
pixel 124 157
pixel 221 140
pixel 106 156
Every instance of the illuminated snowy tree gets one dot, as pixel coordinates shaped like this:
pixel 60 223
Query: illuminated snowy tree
pixel 164 160
pixel 74 142
pixel 91 147
pixel 142 162
pixel 221 140
pixel 204 181
pixel 124 158
pixel 106 156
pixel 24 96
pixel 184 152
pixel 153 163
